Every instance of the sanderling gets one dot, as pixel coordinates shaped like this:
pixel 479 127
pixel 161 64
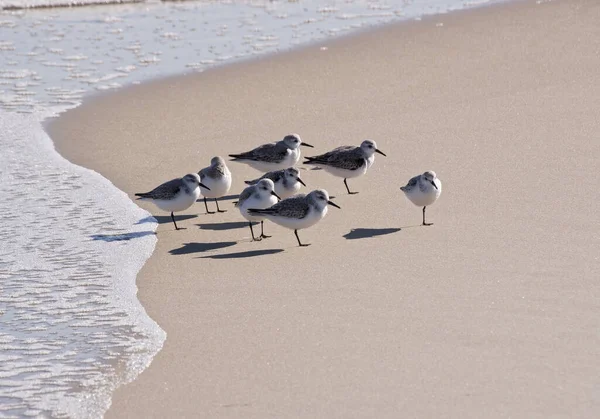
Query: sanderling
pixel 287 182
pixel 347 161
pixel 261 195
pixel 298 212
pixel 218 178
pixel 423 190
pixel 273 156
pixel 175 195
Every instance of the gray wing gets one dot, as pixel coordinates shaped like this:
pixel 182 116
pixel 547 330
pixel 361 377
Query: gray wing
pixel 345 157
pixel 246 193
pixel 295 207
pixel 272 152
pixel 213 172
pixel 167 190
pixel 274 176
pixel 412 183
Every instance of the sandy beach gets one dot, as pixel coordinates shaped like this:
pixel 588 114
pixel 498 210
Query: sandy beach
pixel 491 312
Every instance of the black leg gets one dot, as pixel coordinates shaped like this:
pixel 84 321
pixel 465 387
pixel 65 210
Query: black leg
pixel 173 218
pixel 262 231
pixel 218 209
pixel 348 189
pixel 424 223
pixel 206 206
pixel 298 238
pixel 252 232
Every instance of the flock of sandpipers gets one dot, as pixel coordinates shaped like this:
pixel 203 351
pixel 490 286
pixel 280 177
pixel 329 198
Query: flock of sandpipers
pixel 274 196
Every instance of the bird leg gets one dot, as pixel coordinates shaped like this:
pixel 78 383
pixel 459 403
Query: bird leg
pixel 218 209
pixel 298 238
pixel 348 189
pixel 424 223
pixel 206 206
pixel 262 231
pixel 254 239
pixel 173 218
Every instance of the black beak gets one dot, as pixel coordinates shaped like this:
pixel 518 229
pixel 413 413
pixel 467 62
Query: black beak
pixel 380 152
pixel 333 204
pixel 275 195
pixel 433 183
pixel 300 180
pixel 306 145
pixel 204 186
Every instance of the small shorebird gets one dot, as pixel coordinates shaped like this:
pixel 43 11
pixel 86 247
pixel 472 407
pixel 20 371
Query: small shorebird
pixel 175 195
pixel 298 212
pixel 287 182
pixel 217 178
pixel 273 156
pixel 423 190
pixel 261 195
pixel 347 161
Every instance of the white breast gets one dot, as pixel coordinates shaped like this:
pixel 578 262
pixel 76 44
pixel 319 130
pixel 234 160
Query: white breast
pixel 256 203
pixel 181 202
pixel 218 187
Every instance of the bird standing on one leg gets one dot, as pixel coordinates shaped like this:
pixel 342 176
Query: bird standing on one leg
pixel 217 178
pixel 298 212
pixel 261 195
pixel 347 161
pixel 423 190
pixel 175 195
pixel 273 156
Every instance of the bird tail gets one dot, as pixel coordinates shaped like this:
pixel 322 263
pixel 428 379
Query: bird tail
pixel 142 195
pixel 235 157
pixel 249 182
pixel 312 160
pixel 254 211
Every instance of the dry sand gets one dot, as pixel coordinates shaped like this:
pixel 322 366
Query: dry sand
pixel 492 312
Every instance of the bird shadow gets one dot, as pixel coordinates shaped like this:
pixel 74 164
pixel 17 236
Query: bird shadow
pixel 121 237
pixel 241 255
pixel 188 248
pixel 223 226
pixel 163 219
pixel 364 233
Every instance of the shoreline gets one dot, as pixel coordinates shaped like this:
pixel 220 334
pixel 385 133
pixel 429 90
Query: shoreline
pixel 326 343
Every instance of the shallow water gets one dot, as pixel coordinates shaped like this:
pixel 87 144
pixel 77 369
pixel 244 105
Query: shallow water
pixel 71 244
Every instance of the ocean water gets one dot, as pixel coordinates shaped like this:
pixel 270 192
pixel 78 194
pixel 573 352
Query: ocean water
pixel 71 244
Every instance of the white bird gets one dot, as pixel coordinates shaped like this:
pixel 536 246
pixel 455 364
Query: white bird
pixel 298 212
pixel 175 195
pixel 287 181
pixel 217 178
pixel 273 156
pixel 261 195
pixel 347 161
pixel 423 190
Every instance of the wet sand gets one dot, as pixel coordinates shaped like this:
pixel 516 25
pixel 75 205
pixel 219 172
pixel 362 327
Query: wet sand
pixel 491 312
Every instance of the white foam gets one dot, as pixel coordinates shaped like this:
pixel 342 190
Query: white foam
pixel 71 245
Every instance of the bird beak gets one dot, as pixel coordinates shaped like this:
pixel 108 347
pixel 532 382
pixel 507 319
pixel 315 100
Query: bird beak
pixel 333 204
pixel 306 145
pixel 380 152
pixel 300 180
pixel 275 195
pixel 434 185
pixel 204 186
